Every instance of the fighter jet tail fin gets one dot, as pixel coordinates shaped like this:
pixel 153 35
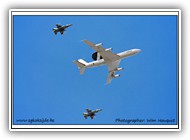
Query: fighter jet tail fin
pixel 81 65
pixel 55 31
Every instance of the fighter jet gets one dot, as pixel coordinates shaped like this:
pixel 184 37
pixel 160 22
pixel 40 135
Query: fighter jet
pixel 91 113
pixel 105 57
pixel 61 28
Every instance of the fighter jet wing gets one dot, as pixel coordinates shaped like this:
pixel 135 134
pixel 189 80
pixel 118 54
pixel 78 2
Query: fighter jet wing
pixel 61 32
pixel 106 54
pixel 112 67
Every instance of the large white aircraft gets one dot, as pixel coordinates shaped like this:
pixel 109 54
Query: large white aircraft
pixel 105 56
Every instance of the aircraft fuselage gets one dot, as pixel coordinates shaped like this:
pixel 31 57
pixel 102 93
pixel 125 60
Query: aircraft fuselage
pixel 62 28
pixel 91 113
pixel 121 56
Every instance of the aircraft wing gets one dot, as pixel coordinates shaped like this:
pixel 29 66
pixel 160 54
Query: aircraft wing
pixel 61 32
pixel 106 54
pixel 110 77
pixel 112 68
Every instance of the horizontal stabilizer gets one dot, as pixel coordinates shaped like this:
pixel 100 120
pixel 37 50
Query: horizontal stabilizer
pixel 55 31
pixel 81 65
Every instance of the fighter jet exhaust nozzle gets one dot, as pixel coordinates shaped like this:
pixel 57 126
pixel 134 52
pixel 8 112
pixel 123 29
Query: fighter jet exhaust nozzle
pixel 119 69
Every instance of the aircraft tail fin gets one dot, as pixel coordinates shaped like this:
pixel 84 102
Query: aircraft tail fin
pixel 55 31
pixel 81 65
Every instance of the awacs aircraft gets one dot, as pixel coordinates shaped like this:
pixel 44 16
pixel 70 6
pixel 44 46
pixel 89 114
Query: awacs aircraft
pixel 105 56
pixel 61 28
pixel 91 113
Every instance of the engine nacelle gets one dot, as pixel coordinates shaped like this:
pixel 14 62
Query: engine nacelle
pixel 116 76
pixel 109 49
pixel 100 44
pixel 119 69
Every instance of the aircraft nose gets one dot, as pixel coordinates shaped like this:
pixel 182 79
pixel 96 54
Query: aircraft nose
pixel 137 50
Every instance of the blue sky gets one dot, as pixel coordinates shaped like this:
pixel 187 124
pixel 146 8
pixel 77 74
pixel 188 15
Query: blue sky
pixel 47 84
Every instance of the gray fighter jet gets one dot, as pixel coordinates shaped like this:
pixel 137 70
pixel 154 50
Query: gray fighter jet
pixel 60 28
pixel 91 113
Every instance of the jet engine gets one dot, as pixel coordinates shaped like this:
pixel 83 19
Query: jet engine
pixel 116 76
pixel 119 69
pixel 109 49
pixel 100 44
pixel 96 56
